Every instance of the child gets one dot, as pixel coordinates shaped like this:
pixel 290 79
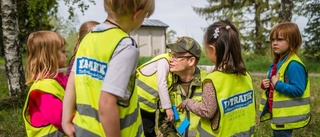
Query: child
pixel 43 107
pixel 287 85
pixel 101 84
pixel 84 29
pixel 227 107
pixel 153 81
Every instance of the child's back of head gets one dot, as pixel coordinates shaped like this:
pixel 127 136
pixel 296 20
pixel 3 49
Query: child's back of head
pixel 122 8
pixel 43 55
pixel 225 38
pixel 128 14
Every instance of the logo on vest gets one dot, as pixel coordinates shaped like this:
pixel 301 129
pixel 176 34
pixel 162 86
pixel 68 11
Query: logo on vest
pixel 91 67
pixel 237 101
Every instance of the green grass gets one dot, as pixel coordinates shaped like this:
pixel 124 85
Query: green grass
pixel 257 63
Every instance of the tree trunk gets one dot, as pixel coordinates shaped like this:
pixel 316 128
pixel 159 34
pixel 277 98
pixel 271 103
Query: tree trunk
pixel 258 49
pixel 13 65
pixel 286 13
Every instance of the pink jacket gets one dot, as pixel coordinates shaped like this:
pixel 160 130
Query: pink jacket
pixel 45 108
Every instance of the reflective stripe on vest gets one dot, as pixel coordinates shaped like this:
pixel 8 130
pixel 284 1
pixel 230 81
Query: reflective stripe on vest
pixel 204 133
pixel 56 133
pixel 147 85
pixel 93 56
pixel 84 132
pixel 123 124
pixel 145 100
pixel 283 105
pixel 236 103
pixel 49 86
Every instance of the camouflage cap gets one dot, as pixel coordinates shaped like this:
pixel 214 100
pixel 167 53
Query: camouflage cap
pixel 186 44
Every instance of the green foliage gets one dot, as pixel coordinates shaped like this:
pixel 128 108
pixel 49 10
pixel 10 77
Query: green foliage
pixel 204 59
pixel 312 42
pixel 171 36
pixel 35 15
pixel 143 60
pixel 257 63
pixel 71 40
pixel 253 19
pixel 80 4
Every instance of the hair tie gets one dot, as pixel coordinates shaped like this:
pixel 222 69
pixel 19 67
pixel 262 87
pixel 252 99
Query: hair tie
pixel 228 27
pixel 216 33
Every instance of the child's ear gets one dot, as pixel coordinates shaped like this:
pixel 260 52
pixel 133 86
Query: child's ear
pixel 137 14
pixel 212 48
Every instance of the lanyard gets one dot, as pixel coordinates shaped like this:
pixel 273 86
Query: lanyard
pixel 113 24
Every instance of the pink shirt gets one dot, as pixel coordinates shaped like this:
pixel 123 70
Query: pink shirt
pixel 45 108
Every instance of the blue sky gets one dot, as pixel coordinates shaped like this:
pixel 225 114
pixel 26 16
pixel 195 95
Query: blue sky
pixel 178 14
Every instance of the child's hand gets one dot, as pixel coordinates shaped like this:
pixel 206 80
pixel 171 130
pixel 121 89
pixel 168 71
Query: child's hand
pixel 169 113
pixel 68 129
pixel 181 106
pixel 275 78
pixel 266 83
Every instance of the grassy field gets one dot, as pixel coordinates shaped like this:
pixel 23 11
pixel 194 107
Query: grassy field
pixel 11 122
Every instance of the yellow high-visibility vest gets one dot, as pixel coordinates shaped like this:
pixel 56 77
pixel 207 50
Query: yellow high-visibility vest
pixel 147 86
pixel 49 86
pixel 93 56
pixel 236 103
pixel 287 112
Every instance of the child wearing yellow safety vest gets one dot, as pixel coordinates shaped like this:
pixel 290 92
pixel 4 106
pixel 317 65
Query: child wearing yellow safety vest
pixel 84 29
pixel 286 100
pixel 43 107
pixel 228 105
pixel 101 89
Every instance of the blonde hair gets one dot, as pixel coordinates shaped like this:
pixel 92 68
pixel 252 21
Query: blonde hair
pixel 291 33
pixel 122 8
pixel 84 29
pixel 43 55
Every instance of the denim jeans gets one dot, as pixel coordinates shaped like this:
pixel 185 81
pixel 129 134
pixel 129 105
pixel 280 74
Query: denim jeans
pixel 282 133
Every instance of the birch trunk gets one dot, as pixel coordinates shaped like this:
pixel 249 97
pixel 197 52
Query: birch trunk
pixel 286 13
pixel 13 61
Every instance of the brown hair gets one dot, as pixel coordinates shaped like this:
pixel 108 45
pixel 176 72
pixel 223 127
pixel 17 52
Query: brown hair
pixel 43 55
pixel 121 8
pixel 224 36
pixel 291 33
pixel 84 29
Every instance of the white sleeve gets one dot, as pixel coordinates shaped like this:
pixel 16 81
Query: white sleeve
pixel 121 66
pixel 162 74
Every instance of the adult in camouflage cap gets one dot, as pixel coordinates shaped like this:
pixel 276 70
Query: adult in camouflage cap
pixel 186 44
pixel 185 54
